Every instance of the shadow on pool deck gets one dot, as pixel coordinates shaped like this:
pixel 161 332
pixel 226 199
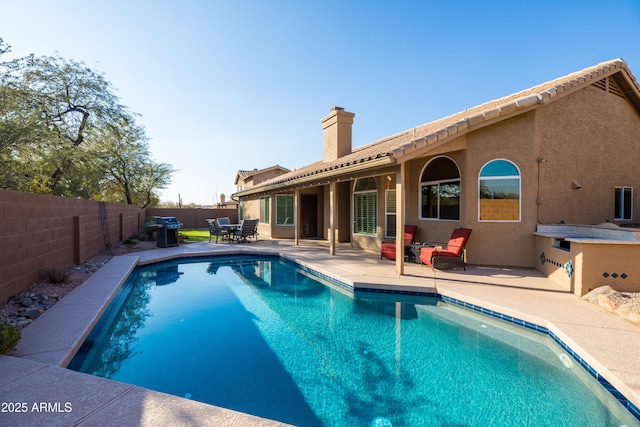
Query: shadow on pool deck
pixel 34 372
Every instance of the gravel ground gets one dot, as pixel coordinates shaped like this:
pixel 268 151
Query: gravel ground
pixel 25 307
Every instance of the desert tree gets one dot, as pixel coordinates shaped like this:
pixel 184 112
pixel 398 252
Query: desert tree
pixel 56 118
pixel 131 175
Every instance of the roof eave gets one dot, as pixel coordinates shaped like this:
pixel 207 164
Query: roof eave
pixel 315 177
pixel 419 146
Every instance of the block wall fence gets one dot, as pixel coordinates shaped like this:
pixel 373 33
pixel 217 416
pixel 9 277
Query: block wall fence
pixel 39 231
pixel 195 218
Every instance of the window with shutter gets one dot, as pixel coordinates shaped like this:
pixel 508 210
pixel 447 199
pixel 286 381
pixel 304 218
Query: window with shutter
pixel 390 213
pixel 365 207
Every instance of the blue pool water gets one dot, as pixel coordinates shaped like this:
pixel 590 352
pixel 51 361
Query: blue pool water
pixel 262 336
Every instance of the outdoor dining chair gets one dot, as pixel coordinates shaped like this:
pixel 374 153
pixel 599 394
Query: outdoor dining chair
pixel 216 230
pixel 247 229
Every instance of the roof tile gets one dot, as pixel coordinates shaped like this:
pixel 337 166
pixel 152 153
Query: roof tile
pixel 427 134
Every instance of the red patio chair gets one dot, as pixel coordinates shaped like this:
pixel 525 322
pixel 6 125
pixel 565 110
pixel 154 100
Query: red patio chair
pixel 452 255
pixel 389 248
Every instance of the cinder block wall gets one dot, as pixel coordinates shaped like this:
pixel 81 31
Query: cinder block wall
pixel 39 231
pixel 195 218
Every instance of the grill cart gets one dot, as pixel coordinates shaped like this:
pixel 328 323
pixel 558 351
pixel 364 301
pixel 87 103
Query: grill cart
pixel 167 231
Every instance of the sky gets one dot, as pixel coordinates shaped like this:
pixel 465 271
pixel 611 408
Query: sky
pixel 223 86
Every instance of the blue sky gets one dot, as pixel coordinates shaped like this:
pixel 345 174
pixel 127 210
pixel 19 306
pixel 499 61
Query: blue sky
pixel 224 86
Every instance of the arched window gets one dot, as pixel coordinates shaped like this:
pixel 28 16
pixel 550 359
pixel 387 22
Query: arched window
pixel 440 190
pixel 365 207
pixel 499 184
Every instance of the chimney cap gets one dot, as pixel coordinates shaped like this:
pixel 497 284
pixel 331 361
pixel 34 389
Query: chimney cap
pixel 336 109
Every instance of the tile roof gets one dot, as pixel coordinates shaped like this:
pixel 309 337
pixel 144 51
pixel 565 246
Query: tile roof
pixel 397 146
pixel 243 174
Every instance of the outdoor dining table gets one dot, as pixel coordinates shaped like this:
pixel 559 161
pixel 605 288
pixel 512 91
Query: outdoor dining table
pixel 232 228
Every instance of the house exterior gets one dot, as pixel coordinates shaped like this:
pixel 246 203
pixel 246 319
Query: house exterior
pixel 565 151
pixel 255 208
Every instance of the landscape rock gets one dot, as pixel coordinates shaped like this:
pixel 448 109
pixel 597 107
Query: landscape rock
pixel 26 302
pixel 33 313
pixel 26 306
pixel 624 304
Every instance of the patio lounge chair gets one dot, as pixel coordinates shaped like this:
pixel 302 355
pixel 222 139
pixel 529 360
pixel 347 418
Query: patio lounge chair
pixel 248 228
pixel 452 255
pixel 389 248
pixel 216 230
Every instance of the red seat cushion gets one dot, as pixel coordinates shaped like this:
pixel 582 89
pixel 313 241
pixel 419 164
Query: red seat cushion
pixel 426 254
pixel 454 248
pixel 389 249
pixel 457 241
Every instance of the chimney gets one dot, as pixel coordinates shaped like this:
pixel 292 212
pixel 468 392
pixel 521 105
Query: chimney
pixel 337 133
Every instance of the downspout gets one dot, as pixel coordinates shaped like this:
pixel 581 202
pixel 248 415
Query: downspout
pixel 539 200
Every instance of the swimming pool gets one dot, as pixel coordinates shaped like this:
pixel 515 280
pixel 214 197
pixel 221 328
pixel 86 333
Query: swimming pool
pixel 262 335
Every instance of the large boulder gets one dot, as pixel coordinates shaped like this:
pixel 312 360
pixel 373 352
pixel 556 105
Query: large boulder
pixel 624 304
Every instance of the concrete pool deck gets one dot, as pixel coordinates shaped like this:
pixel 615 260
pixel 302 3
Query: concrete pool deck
pixel 34 373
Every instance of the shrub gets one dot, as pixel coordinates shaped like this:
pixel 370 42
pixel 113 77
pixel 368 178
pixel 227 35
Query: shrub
pixel 149 229
pixel 56 274
pixel 130 241
pixel 135 236
pixel 9 337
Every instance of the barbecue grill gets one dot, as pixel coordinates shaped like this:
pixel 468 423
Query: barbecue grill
pixel 167 231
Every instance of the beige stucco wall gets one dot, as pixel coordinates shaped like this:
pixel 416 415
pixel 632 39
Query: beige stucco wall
pixel 251 210
pixel 619 263
pixel 279 231
pixel 593 138
pixel 344 219
pixel 586 266
pixel 256 178
pixel 555 265
pixel 251 207
pixel 495 242
pixel 589 137
pixel 491 243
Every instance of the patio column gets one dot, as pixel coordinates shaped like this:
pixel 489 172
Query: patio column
pixel 400 220
pixel 296 217
pixel 333 215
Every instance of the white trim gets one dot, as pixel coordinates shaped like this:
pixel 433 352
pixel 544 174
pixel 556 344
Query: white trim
pixel 387 213
pixel 374 193
pixel 444 181
pixel 293 222
pixel 353 210
pixel 622 204
pixel 267 210
pixel 490 178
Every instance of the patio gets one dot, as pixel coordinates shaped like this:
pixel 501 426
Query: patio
pixel 33 372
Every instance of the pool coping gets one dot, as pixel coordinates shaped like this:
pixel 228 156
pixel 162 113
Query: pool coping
pixel 53 339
